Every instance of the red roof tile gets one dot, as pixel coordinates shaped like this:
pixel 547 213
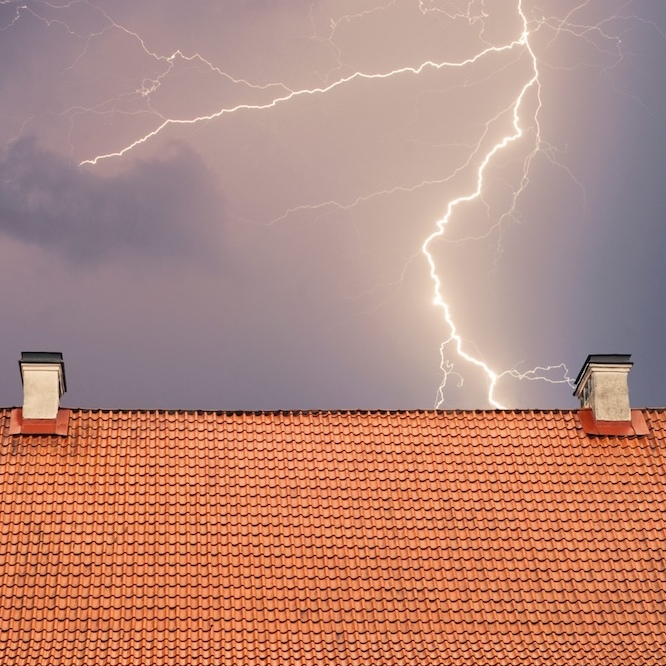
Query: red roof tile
pixel 303 538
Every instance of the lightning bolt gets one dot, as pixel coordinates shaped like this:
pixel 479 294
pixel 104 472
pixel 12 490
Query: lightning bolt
pixel 518 131
pixel 294 94
pixel 525 127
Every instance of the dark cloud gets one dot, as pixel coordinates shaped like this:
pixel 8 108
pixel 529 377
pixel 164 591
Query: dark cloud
pixel 166 207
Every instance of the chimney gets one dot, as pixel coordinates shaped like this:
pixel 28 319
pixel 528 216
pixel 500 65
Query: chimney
pixel 602 386
pixel 43 376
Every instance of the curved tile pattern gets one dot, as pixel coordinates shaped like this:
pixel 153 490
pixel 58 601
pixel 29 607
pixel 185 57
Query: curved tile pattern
pixel 485 538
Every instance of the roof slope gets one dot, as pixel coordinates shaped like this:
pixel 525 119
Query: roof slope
pixel 345 538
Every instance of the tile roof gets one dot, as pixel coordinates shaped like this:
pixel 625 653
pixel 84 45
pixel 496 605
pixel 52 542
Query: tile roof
pixel 341 538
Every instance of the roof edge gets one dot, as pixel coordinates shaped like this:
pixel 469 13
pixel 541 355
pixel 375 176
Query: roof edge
pixel 240 412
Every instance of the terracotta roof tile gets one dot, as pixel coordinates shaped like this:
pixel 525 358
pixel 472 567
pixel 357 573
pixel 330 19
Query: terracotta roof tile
pixel 304 538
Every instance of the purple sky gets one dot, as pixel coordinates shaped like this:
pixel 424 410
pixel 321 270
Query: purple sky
pixel 223 204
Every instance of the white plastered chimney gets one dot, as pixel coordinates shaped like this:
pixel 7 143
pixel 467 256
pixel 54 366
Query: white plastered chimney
pixel 602 386
pixel 43 376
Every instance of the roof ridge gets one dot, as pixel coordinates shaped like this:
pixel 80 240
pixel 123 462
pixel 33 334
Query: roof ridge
pixel 95 410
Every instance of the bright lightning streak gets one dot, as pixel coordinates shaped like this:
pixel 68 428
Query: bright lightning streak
pixel 523 125
pixel 439 301
pixel 455 339
pixel 532 85
pixel 294 94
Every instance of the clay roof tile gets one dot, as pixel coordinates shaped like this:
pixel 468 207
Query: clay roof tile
pixel 332 537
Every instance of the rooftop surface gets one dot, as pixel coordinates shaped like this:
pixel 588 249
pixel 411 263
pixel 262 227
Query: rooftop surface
pixel 343 538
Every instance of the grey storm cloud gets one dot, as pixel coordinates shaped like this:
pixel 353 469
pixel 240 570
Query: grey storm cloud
pixel 158 208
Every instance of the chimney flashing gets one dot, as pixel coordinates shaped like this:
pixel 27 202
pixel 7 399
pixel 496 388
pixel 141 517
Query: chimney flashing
pixel 57 426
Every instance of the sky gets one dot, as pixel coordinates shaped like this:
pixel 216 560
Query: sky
pixel 332 204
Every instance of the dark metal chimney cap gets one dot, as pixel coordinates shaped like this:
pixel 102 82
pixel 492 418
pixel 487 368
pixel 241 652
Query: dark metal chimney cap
pixel 603 359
